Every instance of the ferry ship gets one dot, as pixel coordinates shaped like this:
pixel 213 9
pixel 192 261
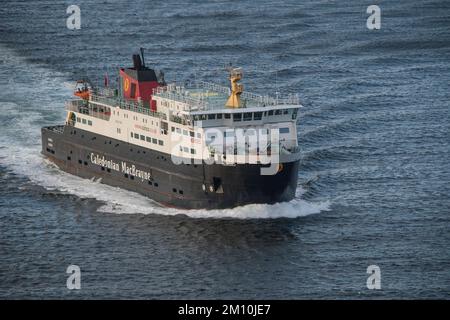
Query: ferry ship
pixel 190 145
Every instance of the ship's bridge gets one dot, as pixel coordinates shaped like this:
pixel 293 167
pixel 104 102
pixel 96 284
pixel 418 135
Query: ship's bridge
pixel 206 106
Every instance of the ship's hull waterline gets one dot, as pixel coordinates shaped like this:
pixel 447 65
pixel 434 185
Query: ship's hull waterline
pixel 153 174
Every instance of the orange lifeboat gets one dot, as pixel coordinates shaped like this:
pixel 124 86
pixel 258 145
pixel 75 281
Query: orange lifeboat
pixel 82 90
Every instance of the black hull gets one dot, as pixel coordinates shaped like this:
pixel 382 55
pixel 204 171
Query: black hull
pixel 182 186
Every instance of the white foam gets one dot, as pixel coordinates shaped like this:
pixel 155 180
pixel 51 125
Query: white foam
pixel 293 209
pixel 44 93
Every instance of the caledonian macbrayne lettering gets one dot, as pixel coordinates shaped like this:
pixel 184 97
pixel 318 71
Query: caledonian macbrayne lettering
pixel 123 167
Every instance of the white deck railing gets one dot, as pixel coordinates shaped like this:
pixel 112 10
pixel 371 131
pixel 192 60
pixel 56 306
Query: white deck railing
pixel 203 102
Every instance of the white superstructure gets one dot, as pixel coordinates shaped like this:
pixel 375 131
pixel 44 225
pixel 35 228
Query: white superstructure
pixel 191 121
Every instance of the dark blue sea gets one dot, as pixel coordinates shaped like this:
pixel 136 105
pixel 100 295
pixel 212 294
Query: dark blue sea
pixel 374 180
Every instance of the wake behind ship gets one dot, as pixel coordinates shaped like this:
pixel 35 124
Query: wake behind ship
pixel 195 145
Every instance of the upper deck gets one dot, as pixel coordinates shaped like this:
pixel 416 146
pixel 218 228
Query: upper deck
pixel 205 96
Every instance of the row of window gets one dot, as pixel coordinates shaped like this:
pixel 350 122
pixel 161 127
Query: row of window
pixel 153 183
pixel 100 109
pixel 174 190
pixel 186 150
pixel 135 118
pixel 186 132
pixel 84 121
pixel 147 139
pixel 245 116
pixel 230 133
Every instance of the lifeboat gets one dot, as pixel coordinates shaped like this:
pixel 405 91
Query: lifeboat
pixel 82 89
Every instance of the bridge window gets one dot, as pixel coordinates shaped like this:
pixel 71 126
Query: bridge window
pixel 247 116
pixel 285 111
pixel 148 139
pixel 257 116
pixel 277 112
pixel 191 133
pixel 155 141
pixel 83 121
pixel 237 116
pixel 219 116
pixel 142 137
pixel 284 130
pixel 136 136
pixel 89 122
pixel 294 114
pixel 227 116
pixel 192 151
pixel 211 116
pixel 160 142
pixel 271 113
pixel 185 132
pixel 131 134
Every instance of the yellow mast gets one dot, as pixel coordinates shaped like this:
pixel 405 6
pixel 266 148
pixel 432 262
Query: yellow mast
pixel 234 101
